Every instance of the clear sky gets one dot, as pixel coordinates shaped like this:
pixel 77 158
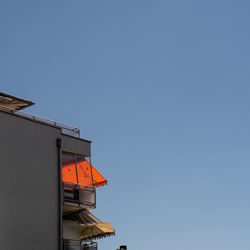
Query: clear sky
pixel 162 89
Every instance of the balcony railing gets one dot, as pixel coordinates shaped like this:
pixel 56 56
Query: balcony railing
pixel 79 195
pixel 89 246
pixel 74 244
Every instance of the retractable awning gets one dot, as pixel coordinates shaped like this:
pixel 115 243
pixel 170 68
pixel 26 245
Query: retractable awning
pixel 91 227
pixel 82 173
pixel 97 231
pixel 98 179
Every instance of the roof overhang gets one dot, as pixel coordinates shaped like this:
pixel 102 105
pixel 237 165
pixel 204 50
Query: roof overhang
pixel 12 103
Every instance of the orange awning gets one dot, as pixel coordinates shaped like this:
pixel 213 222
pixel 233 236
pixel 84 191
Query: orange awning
pixel 98 179
pixel 83 175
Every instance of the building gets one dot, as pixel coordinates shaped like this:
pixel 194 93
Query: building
pixel 47 183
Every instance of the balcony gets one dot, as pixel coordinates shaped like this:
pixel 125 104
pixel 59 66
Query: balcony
pixel 80 180
pixel 79 195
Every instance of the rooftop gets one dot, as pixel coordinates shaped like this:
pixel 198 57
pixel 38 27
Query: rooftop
pixel 14 104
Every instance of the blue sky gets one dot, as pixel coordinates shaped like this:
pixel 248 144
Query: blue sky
pixel 162 89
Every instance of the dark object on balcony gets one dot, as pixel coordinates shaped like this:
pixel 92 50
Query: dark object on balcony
pixel 76 195
pixel 123 247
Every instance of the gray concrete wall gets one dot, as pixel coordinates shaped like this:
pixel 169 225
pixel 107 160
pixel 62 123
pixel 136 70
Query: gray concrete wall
pixel 28 184
pixel 71 230
pixel 76 145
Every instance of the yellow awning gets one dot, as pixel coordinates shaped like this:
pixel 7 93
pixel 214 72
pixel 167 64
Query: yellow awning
pixel 97 230
pixel 91 227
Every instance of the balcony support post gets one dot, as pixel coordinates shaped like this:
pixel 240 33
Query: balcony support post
pixel 60 188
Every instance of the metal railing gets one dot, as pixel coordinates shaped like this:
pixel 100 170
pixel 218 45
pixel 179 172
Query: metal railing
pixel 66 129
pixel 80 195
pixel 75 244
pixel 89 246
